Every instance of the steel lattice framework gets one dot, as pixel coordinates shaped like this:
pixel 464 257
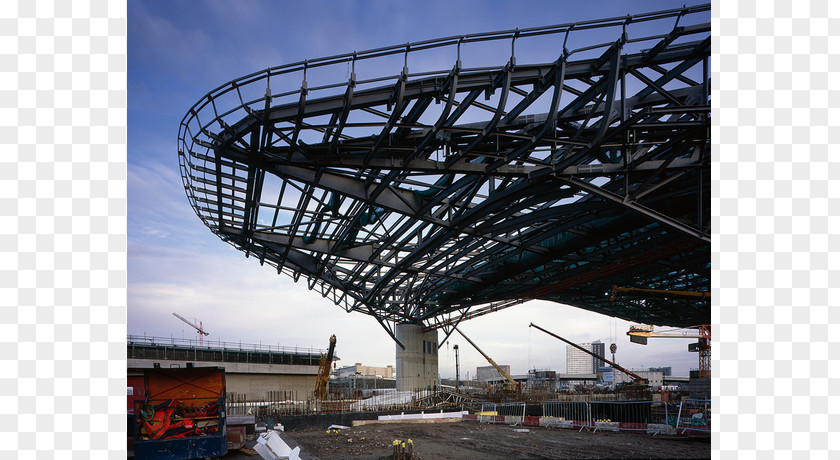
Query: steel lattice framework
pixel 436 196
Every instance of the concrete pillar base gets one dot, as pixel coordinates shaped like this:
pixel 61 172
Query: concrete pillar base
pixel 417 365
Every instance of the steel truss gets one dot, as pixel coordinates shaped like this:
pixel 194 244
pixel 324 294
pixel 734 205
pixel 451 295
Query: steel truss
pixel 437 196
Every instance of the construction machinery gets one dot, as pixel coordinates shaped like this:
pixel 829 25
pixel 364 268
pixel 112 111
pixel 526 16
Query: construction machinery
pixel 511 385
pixel 640 334
pixel 199 328
pixel 324 371
pixel 637 380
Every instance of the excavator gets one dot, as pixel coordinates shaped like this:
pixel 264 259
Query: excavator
pixel 511 385
pixel 324 371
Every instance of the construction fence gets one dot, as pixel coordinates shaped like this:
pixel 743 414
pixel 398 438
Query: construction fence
pixel 692 417
pixel 285 403
pixel 689 417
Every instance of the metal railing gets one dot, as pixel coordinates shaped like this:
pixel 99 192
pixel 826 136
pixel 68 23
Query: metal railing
pixel 219 345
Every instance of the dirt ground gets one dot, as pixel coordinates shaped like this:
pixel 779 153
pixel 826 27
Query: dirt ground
pixel 471 440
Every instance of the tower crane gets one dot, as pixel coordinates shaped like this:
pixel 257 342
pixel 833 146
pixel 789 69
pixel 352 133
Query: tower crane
pixel 199 328
pixel 640 334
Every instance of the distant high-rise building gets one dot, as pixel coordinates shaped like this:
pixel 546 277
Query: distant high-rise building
pixel 578 362
pixel 599 349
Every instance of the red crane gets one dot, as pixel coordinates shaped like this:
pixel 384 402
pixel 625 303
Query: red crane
pixel 199 328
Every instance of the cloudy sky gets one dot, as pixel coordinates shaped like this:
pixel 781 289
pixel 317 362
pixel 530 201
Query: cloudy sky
pixel 180 50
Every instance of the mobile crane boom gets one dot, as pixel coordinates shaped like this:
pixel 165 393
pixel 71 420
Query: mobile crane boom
pixel 489 359
pixel 614 365
pixel 324 371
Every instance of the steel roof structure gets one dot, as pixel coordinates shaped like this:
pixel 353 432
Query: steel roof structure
pixel 435 196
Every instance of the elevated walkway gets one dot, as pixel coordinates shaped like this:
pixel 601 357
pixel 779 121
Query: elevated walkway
pixel 252 370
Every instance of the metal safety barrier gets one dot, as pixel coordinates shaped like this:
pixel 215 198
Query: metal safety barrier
pixel 567 414
pixel 694 416
pixel 627 415
pixel 488 411
pixel 653 417
pixel 510 413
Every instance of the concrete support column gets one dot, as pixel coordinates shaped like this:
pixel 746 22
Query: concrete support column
pixel 417 365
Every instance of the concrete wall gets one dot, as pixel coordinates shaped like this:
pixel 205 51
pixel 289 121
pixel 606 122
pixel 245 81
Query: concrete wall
pixel 230 367
pixel 250 379
pixel 417 365
pixel 258 386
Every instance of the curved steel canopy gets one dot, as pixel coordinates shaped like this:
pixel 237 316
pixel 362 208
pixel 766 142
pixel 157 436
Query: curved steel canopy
pixel 437 196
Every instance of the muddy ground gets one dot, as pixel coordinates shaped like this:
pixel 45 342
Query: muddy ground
pixel 471 440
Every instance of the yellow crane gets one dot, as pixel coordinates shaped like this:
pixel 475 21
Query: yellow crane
pixel 324 371
pixel 511 385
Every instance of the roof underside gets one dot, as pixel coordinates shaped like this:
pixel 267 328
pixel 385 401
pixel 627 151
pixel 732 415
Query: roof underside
pixel 439 196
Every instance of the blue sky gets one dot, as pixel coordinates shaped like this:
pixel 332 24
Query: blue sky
pixel 180 50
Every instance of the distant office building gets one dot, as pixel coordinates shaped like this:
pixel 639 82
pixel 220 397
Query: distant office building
pixel 578 362
pixel 490 373
pixel 366 371
pixel 666 371
pixel 654 378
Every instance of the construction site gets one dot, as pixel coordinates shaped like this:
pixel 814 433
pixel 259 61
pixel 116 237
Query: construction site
pixel 428 197
pixel 354 412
